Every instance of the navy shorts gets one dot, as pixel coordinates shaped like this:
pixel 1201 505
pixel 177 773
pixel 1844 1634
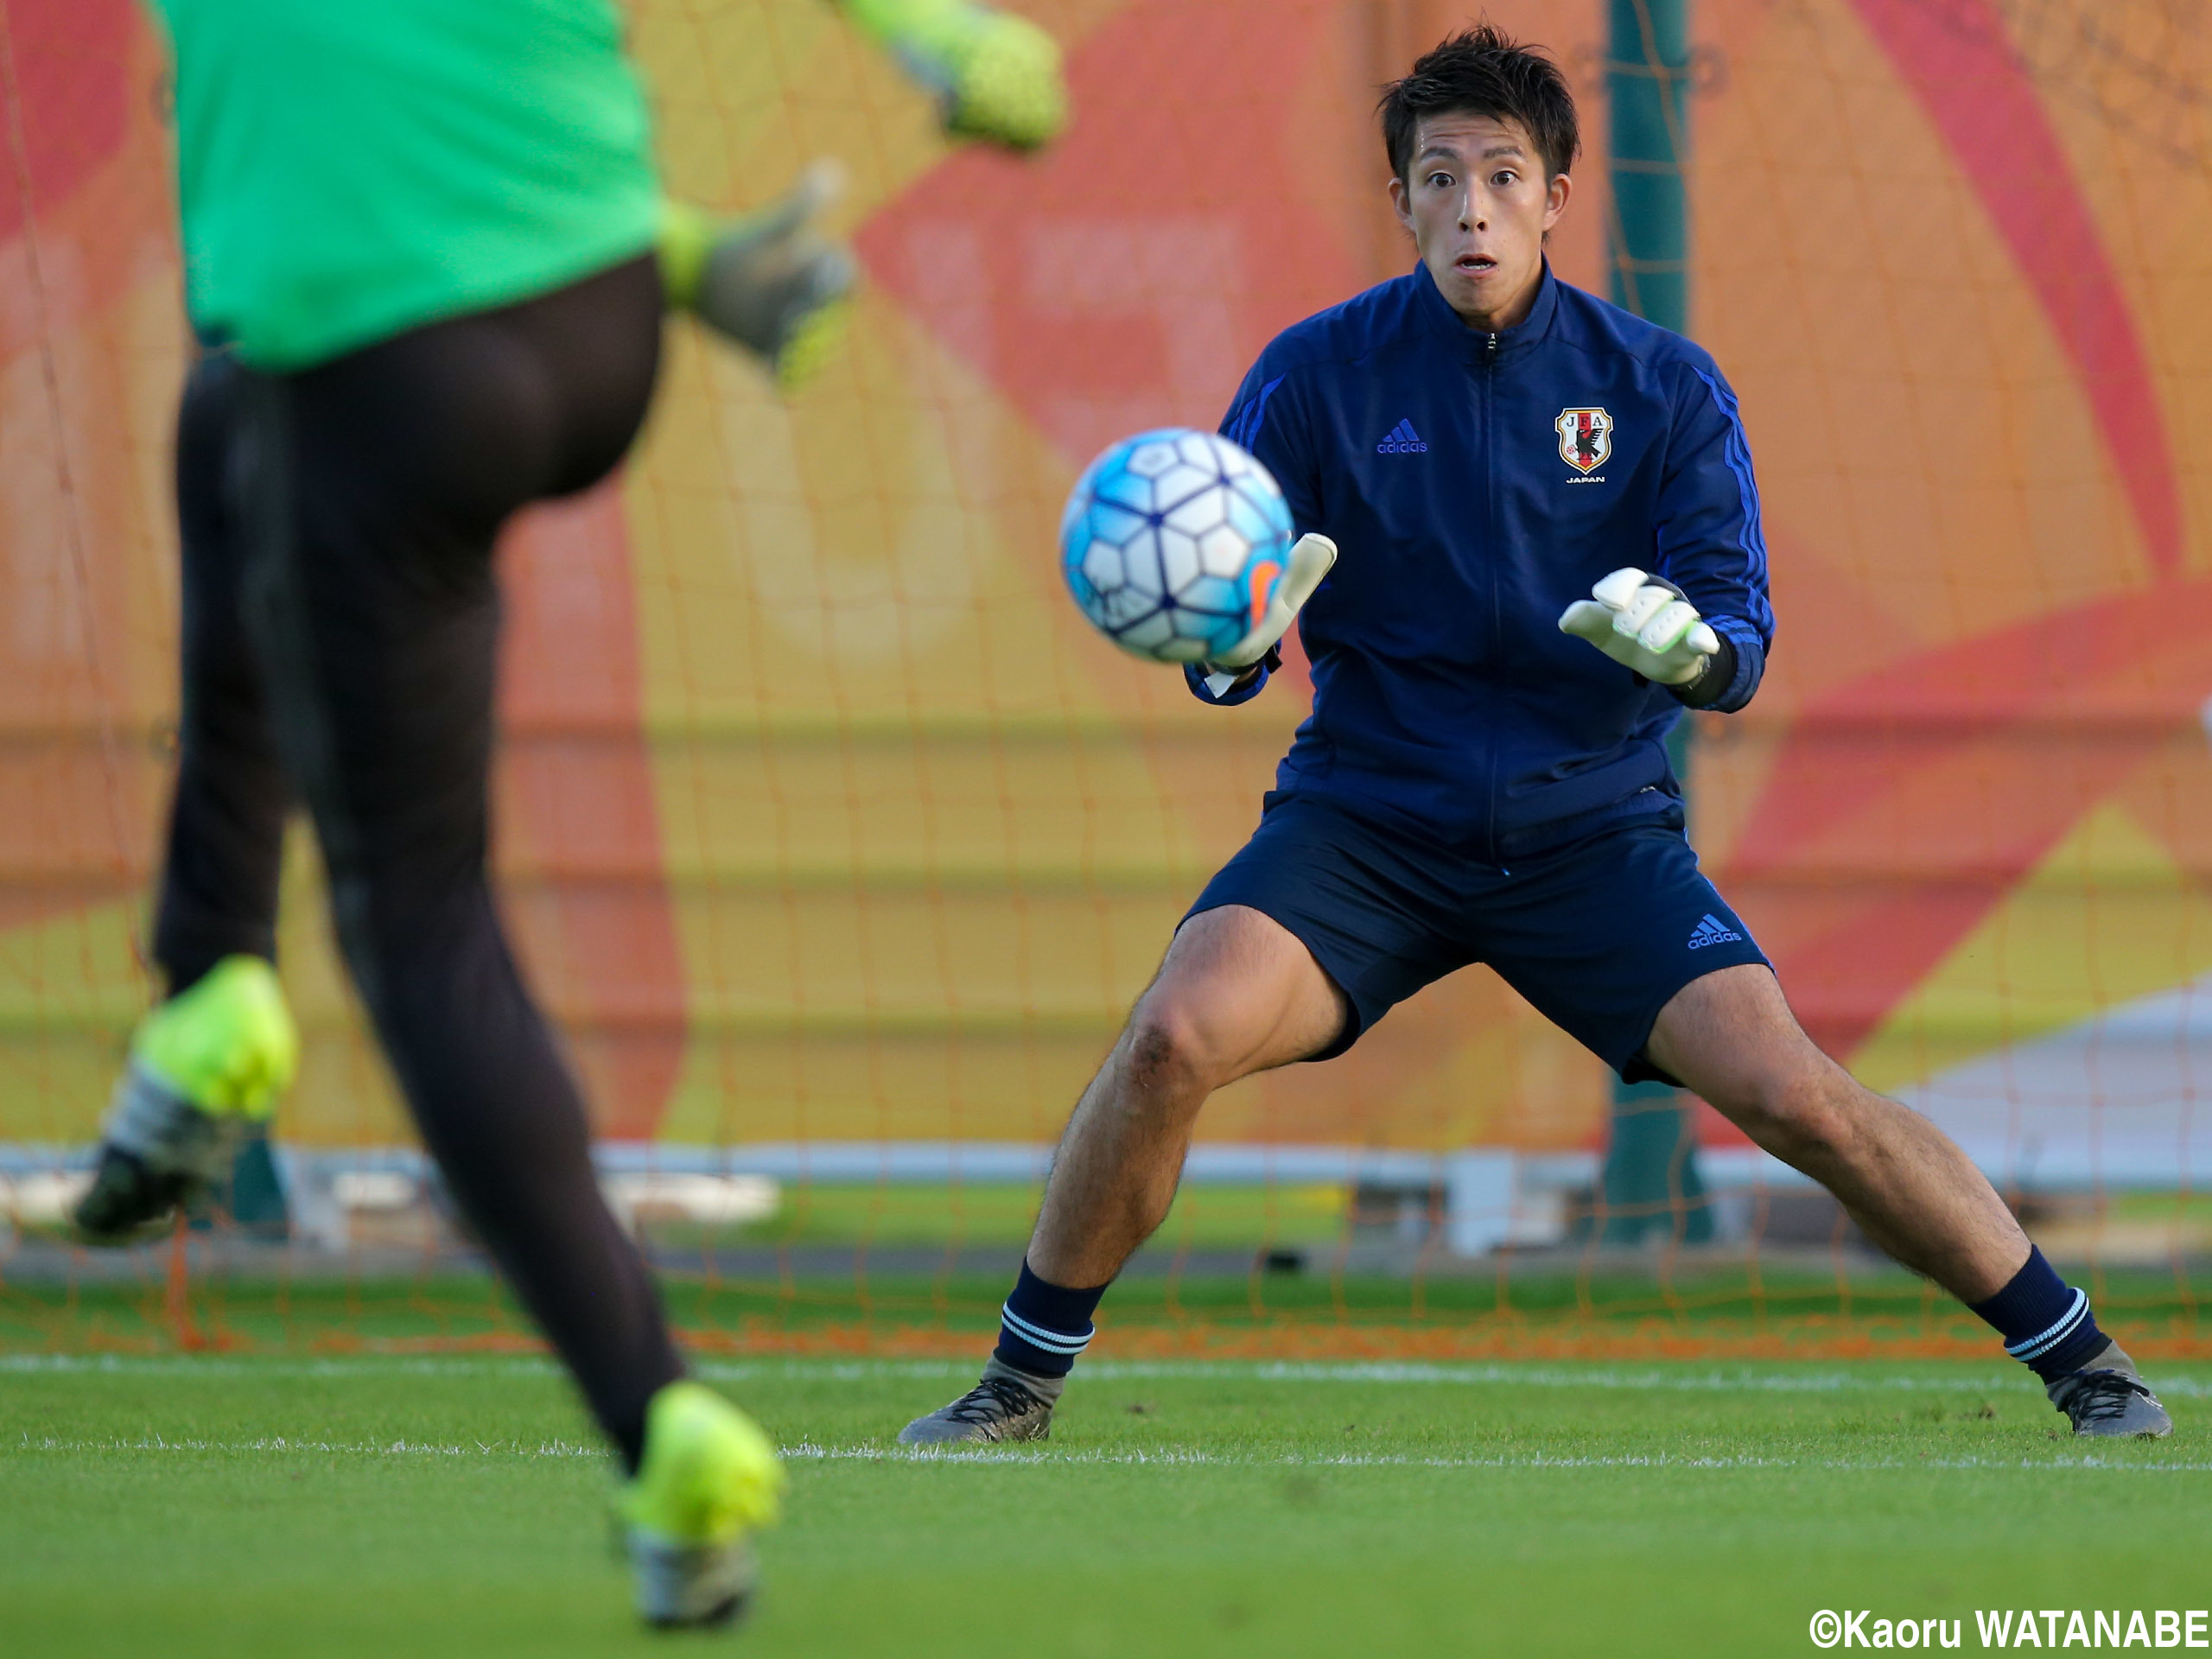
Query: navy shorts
pixel 1597 934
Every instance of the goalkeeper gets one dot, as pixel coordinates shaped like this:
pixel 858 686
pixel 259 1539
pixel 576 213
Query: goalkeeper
pixel 1550 545
pixel 428 244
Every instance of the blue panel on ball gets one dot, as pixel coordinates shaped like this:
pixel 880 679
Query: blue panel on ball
pixel 1108 523
pixel 1124 488
pixel 1146 636
pixel 1269 512
pixel 1216 595
pixel 1251 523
pixel 1215 634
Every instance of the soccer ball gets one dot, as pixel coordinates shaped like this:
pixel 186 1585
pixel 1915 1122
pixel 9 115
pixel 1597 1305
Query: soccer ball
pixel 1172 543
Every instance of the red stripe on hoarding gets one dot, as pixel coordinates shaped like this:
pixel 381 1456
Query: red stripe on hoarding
pixel 1955 56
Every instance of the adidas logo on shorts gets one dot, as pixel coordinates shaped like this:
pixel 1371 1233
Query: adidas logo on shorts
pixel 1713 930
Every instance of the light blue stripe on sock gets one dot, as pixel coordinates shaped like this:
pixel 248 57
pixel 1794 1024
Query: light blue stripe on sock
pixel 2048 1339
pixel 1052 1342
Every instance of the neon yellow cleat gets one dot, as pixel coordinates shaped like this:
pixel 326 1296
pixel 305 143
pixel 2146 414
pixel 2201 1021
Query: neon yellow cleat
pixel 996 76
pixel 203 1066
pixel 769 281
pixel 710 1480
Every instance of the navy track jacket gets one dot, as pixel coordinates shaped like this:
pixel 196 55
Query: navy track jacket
pixel 1476 486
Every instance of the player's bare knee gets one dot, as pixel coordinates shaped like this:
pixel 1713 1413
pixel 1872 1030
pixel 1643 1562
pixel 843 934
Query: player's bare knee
pixel 1167 1053
pixel 1798 1116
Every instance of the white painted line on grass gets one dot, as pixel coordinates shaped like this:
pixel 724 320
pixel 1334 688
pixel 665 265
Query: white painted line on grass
pixel 1782 1378
pixel 1514 1375
pixel 279 1443
pixel 1006 1458
pixel 216 1365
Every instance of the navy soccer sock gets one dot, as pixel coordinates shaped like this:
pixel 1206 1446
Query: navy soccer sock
pixel 2045 1322
pixel 1044 1326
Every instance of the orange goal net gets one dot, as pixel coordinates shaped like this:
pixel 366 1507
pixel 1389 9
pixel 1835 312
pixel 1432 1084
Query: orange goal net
pixel 839 845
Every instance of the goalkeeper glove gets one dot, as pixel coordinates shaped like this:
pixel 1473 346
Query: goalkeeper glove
pixel 1643 623
pixel 769 280
pixel 1311 559
pixel 995 76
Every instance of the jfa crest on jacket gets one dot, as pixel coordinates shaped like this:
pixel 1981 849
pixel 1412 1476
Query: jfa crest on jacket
pixel 1585 438
pixel 1476 485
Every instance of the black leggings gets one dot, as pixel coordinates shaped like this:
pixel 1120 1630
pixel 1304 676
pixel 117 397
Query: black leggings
pixel 341 634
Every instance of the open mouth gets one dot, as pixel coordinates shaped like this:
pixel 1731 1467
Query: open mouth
pixel 1474 265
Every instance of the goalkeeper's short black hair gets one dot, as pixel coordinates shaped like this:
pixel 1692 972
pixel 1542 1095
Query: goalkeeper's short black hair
pixel 1483 71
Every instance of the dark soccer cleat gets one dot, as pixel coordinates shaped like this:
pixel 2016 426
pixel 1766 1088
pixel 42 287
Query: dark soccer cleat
pixel 1006 1405
pixel 2108 1399
pixel 129 1200
pixel 203 1067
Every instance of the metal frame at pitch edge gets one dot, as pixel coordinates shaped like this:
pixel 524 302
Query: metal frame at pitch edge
pixel 1490 1196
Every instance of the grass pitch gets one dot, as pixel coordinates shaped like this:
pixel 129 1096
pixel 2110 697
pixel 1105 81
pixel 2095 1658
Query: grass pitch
pixel 456 1506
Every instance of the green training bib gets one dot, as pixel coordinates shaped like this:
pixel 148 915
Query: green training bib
pixel 347 171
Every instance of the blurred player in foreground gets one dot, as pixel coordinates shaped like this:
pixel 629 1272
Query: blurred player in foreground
pixel 430 243
pixel 1550 545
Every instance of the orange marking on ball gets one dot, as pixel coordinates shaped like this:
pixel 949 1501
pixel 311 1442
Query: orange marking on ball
pixel 1265 575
